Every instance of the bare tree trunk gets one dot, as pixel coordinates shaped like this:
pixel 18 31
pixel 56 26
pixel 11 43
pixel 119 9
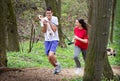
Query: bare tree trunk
pixel 56 6
pixel 32 37
pixel 3 58
pixel 12 36
pixel 100 21
pixel 112 22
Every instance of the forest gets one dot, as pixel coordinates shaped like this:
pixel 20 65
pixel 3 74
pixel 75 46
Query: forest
pixel 22 40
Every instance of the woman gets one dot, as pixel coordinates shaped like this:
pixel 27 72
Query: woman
pixel 80 42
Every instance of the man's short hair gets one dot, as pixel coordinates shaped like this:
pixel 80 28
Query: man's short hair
pixel 49 9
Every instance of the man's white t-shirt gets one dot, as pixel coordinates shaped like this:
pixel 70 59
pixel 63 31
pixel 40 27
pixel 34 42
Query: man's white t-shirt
pixel 49 34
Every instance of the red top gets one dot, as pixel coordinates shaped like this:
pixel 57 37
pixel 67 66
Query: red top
pixel 81 33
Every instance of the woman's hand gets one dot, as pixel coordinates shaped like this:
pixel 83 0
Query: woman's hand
pixel 76 37
pixel 80 39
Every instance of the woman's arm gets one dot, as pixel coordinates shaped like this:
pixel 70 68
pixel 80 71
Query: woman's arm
pixel 80 39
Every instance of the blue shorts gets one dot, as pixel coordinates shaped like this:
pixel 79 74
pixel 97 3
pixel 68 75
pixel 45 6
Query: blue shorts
pixel 50 46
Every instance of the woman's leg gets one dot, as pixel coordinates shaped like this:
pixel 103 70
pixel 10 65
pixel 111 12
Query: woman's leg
pixel 77 51
pixel 84 54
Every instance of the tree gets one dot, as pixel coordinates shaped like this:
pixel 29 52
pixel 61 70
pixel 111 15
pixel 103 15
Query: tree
pixel 12 33
pixel 3 58
pixel 99 19
pixel 117 31
pixel 56 6
pixel 112 20
pixel 107 70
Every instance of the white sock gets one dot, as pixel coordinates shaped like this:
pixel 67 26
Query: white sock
pixel 57 63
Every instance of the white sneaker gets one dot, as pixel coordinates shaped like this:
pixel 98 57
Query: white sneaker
pixel 57 69
pixel 78 70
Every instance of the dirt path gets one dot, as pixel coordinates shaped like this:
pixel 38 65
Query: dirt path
pixel 43 74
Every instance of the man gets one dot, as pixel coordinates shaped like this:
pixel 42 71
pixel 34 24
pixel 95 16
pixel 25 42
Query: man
pixel 50 30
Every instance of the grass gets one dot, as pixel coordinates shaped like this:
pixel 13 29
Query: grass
pixel 37 57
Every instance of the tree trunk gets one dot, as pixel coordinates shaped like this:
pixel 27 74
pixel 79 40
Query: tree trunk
pixel 98 39
pixel 107 70
pixel 3 58
pixel 112 20
pixel 12 36
pixel 56 6
pixel 117 28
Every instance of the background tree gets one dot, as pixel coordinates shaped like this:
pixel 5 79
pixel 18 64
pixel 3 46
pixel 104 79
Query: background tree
pixel 99 17
pixel 107 70
pixel 117 31
pixel 56 6
pixel 12 33
pixel 112 20
pixel 3 58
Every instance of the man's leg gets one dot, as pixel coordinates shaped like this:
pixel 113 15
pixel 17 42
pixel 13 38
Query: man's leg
pixel 51 55
pixel 50 48
pixel 52 58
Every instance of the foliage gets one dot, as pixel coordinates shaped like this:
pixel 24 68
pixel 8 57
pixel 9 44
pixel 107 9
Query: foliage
pixel 77 79
pixel 26 10
pixel 37 57
pixel 75 7
pixel 117 33
pixel 26 14
pixel 71 10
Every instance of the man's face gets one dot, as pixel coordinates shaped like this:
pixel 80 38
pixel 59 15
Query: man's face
pixel 49 14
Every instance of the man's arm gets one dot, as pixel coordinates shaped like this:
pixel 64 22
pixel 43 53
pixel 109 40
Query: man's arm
pixel 54 23
pixel 44 28
pixel 53 26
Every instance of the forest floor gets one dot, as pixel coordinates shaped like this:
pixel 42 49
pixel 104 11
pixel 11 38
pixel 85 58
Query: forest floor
pixel 44 74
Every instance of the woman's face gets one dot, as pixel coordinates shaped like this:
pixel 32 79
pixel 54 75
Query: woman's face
pixel 49 14
pixel 77 23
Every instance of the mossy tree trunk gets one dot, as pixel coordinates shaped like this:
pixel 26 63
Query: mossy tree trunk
pixel 3 58
pixel 107 70
pixel 56 6
pixel 12 33
pixel 99 17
